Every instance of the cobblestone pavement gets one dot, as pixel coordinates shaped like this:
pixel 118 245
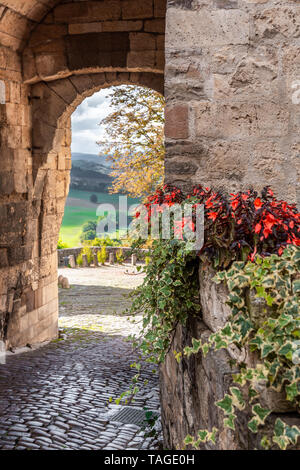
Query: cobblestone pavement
pixel 59 395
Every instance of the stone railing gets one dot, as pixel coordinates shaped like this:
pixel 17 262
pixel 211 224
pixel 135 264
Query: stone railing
pixel 64 254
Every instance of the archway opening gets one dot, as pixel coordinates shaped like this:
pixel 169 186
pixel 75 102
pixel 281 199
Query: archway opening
pixel 117 159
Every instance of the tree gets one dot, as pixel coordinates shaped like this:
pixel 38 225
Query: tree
pixel 134 140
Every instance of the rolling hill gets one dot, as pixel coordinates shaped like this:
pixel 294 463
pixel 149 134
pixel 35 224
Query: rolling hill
pixel 90 172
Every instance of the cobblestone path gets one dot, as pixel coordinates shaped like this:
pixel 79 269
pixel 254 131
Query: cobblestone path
pixel 57 396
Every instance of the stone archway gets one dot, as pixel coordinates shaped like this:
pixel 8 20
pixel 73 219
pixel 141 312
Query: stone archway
pixel 53 54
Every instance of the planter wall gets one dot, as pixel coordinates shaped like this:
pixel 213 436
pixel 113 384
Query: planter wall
pixel 189 389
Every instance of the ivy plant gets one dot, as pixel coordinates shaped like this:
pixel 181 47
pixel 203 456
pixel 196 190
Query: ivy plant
pixel 273 337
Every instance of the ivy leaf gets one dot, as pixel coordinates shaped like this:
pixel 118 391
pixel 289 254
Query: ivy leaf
pixel 253 425
pixel 237 398
pixel 202 435
pixel 281 441
pixel 226 404
pixel 197 344
pixel 265 443
pixel 292 433
pixel 260 413
pixel 188 440
pixel 229 422
pixel 286 350
pixel 292 391
pixel 296 286
pixel 267 349
pixel 279 427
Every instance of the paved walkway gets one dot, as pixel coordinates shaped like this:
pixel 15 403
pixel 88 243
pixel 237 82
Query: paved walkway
pixel 60 396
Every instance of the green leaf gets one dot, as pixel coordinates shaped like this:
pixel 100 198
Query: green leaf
pixel 265 443
pixel 279 427
pixel 253 425
pixel 292 433
pixel 203 435
pixel 226 404
pixel 260 413
pixel 291 391
pixel 229 422
pixel 188 440
pixel 237 398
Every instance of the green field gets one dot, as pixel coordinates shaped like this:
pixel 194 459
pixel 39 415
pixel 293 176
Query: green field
pixel 76 214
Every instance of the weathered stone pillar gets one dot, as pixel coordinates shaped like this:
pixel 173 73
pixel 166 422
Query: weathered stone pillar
pixel 85 263
pixel 95 258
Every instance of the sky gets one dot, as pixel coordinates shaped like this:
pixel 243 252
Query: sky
pixel 85 122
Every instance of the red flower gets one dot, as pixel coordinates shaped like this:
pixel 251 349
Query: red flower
pixel 257 228
pixel 267 232
pixel 212 215
pixel 234 204
pixel 257 203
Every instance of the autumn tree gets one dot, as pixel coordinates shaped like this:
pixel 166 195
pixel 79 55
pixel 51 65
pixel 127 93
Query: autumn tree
pixel 134 140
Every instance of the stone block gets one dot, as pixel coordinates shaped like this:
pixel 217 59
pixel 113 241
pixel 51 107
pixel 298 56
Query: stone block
pixel 204 28
pixel 97 50
pixel 177 121
pixel 282 21
pixel 240 120
pixel 83 28
pixel 155 26
pixel 160 7
pixel 88 11
pixel 142 42
pixel 140 60
pixel 136 9
pixel 51 64
pixel 136 25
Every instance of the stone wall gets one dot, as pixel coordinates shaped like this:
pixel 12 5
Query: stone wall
pixel 232 118
pixel 189 389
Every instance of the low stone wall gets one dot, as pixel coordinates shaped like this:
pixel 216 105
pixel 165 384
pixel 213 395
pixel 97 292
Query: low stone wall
pixel 190 389
pixel 126 252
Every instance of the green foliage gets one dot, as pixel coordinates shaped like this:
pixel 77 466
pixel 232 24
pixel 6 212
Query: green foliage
pixel 86 250
pixel 203 436
pixel 119 257
pixel 102 255
pixel 105 241
pixel 61 245
pixel 164 298
pixel 273 335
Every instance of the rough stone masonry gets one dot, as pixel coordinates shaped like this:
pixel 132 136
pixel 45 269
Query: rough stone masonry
pixel 229 69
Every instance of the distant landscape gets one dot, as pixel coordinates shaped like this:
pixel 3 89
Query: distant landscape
pixel 89 180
